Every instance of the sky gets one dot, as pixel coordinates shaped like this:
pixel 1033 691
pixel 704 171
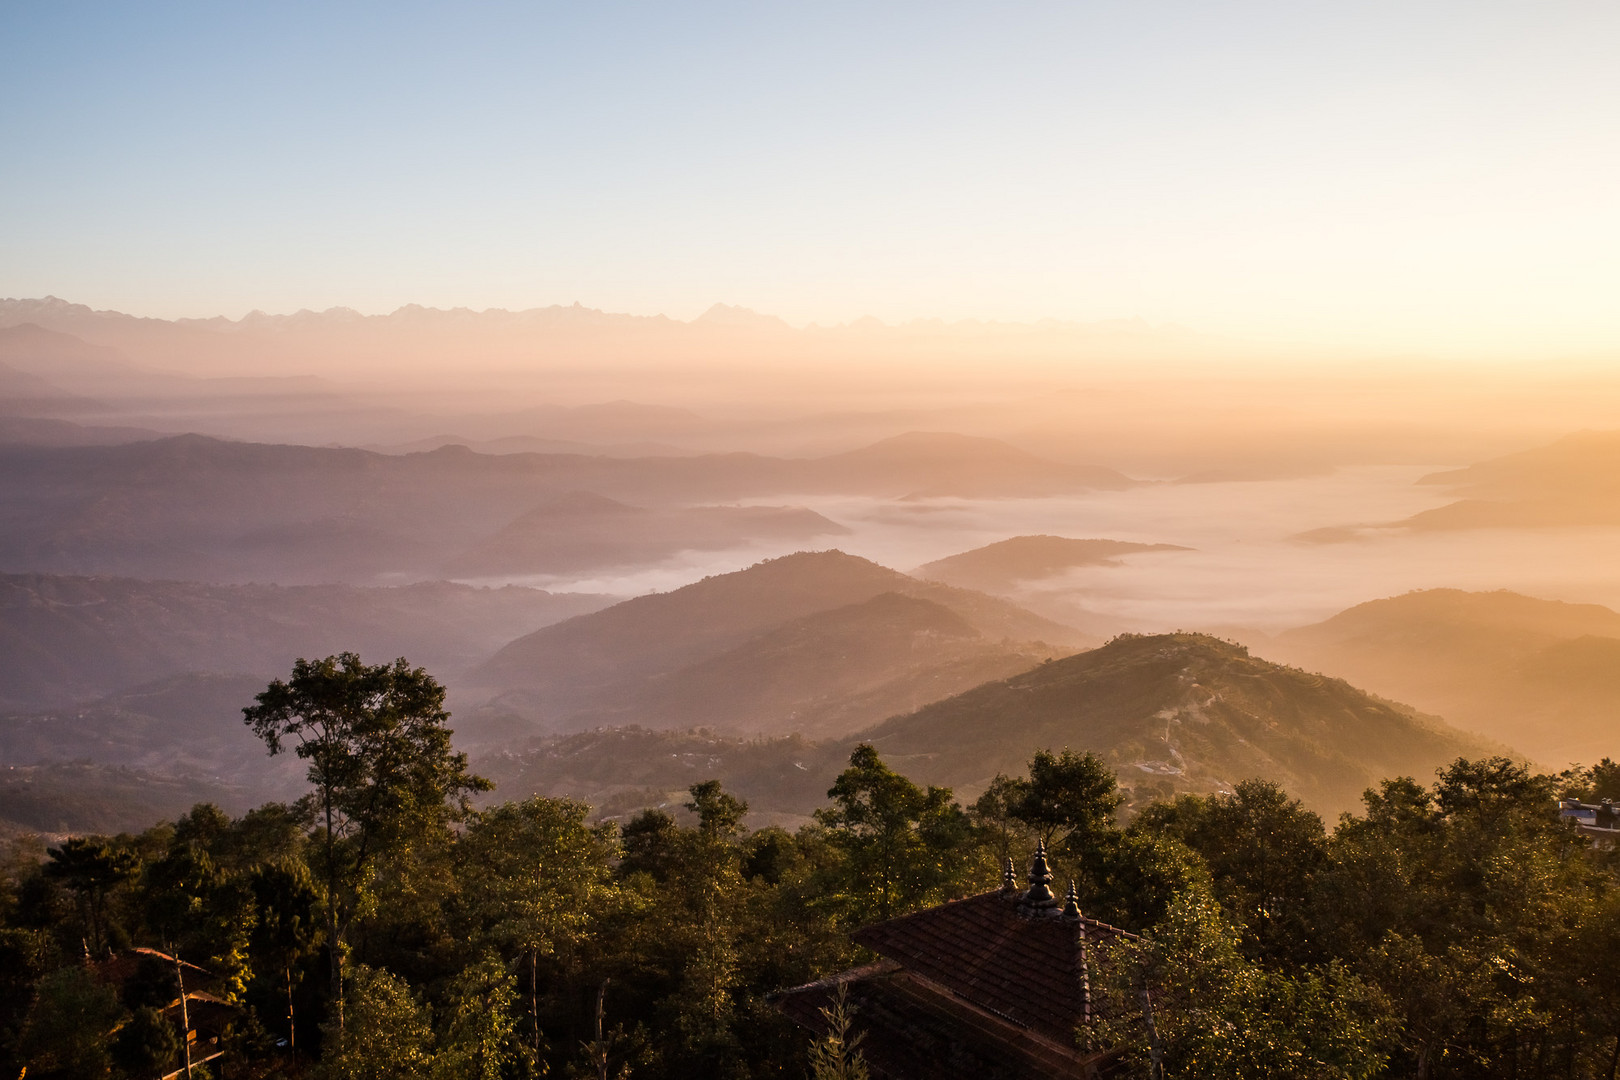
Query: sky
pixel 1418 177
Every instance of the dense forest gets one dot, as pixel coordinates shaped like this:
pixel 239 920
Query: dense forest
pixel 398 921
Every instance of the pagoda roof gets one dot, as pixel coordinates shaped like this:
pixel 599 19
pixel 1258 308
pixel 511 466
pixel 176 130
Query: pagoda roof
pixel 1030 966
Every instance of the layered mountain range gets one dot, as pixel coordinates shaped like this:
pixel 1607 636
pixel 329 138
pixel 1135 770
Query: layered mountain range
pixel 206 509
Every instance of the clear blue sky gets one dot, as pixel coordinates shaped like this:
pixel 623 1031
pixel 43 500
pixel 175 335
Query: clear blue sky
pixel 1431 176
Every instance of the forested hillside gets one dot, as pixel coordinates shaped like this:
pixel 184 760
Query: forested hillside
pixel 1453 929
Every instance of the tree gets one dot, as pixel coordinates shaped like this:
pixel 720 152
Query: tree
pixel 479 1039
pixel 537 879
pixel 91 869
pixel 837 1054
pixel 146 1045
pixel 381 764
pixel 1069 799
pixel 904 846
pixel 386 1035
pixel 1263 850
pixel 66 1030
pixel 1185 1001
pixel 283 929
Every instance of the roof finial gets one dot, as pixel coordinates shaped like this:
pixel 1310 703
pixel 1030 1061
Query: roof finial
pixel 1071 903
pixel 1009 876
pixel 1040 893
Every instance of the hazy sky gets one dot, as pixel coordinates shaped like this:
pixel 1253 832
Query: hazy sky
pixel 1415 175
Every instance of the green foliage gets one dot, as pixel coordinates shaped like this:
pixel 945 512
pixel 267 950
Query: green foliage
pixel 904 846
pixel 386 1033
pixel 91 869
pixel 66 1033
pixel 1263 851
pixel 837 1054
pixel 479 1039
pixel 381 763
pixel 1187 1001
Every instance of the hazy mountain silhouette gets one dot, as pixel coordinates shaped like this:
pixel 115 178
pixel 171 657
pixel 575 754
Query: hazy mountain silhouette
pixel 610 658
pixel 1542 675
pixel 69 639
pixel 186 725
pixel 1001 566
pixel 581 531
pixel 828 674
pixel 1575 481
pixel 81 798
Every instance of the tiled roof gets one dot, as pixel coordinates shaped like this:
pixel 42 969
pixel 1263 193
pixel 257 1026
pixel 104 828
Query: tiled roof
pixel 1032 969
pixel 914 1029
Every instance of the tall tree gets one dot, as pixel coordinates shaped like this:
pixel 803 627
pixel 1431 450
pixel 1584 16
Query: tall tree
pixel 904 846
pixel 91 869
pixel 381 765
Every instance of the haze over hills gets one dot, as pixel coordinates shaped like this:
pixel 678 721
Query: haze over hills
pixel 626 654
pixel 65 640
pixel 182 726
pixel 1575 481
pixel 212 510
pixel 1541 675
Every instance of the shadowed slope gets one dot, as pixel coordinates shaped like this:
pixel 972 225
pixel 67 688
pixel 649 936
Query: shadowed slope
pixel 830 673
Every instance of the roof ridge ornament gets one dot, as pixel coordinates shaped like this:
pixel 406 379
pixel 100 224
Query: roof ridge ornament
pixel 1040 894
pixel 1009 876
pixel 1071 903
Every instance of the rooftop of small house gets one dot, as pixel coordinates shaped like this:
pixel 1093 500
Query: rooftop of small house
pixel 992 985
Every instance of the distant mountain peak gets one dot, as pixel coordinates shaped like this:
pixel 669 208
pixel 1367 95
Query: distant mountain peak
pixel 729 315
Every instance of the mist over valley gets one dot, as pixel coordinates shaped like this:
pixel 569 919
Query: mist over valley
pixel 175 531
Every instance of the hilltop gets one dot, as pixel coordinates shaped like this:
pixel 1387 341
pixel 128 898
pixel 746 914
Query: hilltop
pixel 1001 566
pixel 830 673
pixel 1175 712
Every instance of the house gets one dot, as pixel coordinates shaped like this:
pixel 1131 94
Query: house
pixel 996 986
pixel 199 1017
pixel 1599 821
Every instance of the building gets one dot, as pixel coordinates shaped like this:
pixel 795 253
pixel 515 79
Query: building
pixel 996 986
pixel 199 1017
pixel 1598 821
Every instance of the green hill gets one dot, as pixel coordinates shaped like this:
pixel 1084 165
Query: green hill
pixel 1175 712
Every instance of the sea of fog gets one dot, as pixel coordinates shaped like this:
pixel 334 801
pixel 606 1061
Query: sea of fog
pixel 1248 567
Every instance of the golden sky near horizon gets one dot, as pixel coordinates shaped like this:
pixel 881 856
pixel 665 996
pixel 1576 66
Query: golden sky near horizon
pixel 1431 178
